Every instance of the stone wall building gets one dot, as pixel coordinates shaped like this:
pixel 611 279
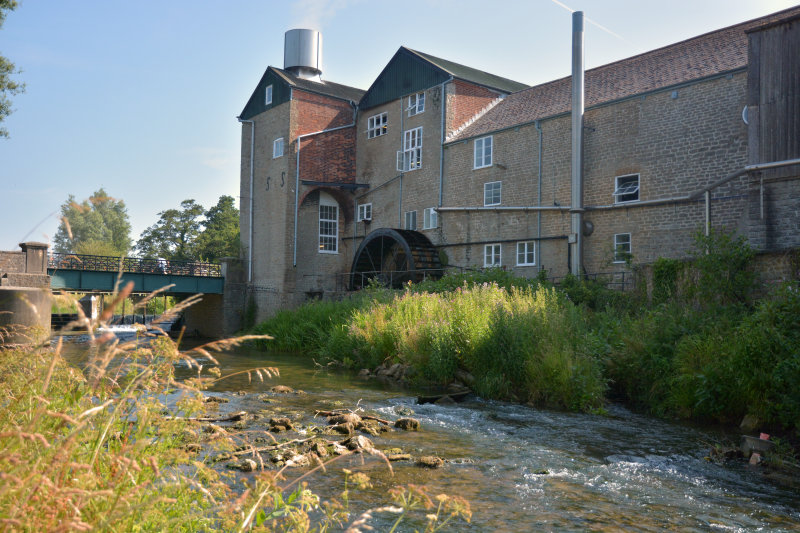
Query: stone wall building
pixel 438 165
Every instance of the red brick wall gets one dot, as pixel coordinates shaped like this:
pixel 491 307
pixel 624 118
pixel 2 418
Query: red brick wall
pixel 329 157
pixel 467 100
pixel 316 112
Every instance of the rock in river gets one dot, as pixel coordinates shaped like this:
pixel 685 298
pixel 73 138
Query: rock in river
pixel 408 424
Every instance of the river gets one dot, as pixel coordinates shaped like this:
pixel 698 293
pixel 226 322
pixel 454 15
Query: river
pixel 526 469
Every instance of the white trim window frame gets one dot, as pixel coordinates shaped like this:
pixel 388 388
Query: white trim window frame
pixel 410 157
pixel 416 104
pixel 364 212
pixel 626 189
pixel 526 253
pixel 482 154
pixel 377 125
pixel 492 193
pixel 328 228
pixel 622 247
pixel 268 95
pixel 430 219
pixel 277 148
pixel 492 255
pixel 410 221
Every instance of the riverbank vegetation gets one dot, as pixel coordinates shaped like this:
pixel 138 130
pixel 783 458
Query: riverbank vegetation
pixel 699 347
pixel 117 445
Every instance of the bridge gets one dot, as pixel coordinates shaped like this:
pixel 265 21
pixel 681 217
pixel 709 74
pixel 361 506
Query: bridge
pixel 94 273
pixel 27 278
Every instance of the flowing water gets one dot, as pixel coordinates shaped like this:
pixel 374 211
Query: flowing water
pixel 526 469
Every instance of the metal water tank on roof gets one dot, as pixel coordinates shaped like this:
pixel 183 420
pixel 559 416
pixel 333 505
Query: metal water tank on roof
pixel 302 53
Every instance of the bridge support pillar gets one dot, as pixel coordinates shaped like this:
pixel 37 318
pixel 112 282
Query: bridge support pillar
pixel 24 315
pixel 205 318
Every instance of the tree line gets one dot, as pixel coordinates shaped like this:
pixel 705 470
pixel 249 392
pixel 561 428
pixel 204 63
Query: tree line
pixel 100 226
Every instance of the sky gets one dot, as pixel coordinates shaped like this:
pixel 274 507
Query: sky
pixel 141 98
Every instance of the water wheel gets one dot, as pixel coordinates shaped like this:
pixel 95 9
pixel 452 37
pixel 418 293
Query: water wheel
pixel 394 257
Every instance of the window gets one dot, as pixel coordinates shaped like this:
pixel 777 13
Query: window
pixel 328 225
pixel 277 148
pixel 430 218
pixel 491 193
pixel 364 212
pixel 491 255
pixel 411 220
pixel 376 125
pixel 483 152
pixel 416 104
pixel 268 95
pixel 626 189
pixel 410 157
pixel 622 247
pixel 526 253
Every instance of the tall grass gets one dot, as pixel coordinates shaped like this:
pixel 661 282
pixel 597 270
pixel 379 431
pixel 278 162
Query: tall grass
pixel 526 344
pixel 106 448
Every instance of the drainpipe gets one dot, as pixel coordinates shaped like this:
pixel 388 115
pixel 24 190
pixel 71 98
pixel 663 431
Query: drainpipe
pixel 297 175
pixel 250 223
pixel 576 239
pixel 441 148
pixel 402 147
pixel 539 203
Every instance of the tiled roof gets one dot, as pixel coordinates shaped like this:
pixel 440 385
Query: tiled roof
pixel 709 54
pixel 324 87
pixel 472 74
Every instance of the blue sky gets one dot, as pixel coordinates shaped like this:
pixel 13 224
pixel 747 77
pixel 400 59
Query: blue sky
pixel 141 98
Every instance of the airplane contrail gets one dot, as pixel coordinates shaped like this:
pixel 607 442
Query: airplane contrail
pixel 590 21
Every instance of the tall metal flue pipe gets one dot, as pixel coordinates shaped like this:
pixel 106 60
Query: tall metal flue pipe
pixel 576 236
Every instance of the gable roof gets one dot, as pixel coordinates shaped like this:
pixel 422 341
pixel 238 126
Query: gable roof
pixel 328 88
pixel 707 55
pixel 283 81
pixel 409 71
pixel 473 75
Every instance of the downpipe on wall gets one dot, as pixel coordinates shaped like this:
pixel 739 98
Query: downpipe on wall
pixel 250 214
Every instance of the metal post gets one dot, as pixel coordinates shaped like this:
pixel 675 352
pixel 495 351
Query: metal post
pixel 708 213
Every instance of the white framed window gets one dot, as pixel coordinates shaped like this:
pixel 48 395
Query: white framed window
pixel 622 247
pixel 492 192
pixel 483 152
pixel 377 125
pixel 410 220
pixel 430 218
pixel 364 212
pixel 410 157
pixel 328 225
pixel 626 189
pixel 416 104
pixel 526 253
pixel 277 148
pixel 268 95
pixel 491 255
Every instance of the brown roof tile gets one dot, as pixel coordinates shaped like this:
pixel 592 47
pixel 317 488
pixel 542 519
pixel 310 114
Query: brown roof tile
pixel 699 57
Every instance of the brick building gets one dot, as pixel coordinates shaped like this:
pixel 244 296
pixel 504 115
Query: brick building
pixel 440 165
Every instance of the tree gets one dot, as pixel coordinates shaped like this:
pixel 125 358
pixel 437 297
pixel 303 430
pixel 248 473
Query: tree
pixel 97 226
pixel 174 235
pixel 7 69
pixel 220 236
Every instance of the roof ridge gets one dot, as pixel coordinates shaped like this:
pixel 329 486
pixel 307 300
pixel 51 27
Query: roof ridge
pixel 473 118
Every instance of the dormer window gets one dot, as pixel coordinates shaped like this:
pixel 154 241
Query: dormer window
pixel 416 104
pixel 626 189
pixel 268 95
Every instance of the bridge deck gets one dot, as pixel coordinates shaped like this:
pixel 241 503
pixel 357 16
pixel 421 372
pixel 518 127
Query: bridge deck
pixel 98 273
